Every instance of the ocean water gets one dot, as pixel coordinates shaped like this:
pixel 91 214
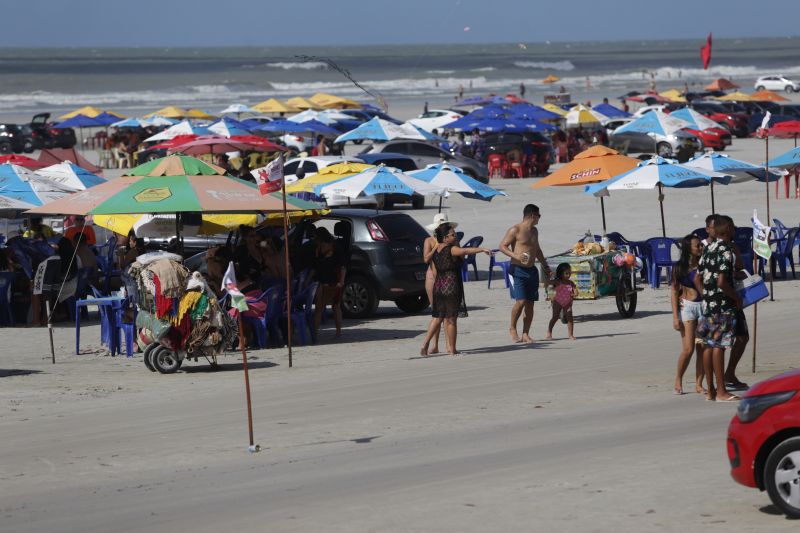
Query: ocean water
pixel 137 80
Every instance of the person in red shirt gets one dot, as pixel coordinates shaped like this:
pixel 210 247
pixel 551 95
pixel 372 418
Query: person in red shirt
pixel 79 223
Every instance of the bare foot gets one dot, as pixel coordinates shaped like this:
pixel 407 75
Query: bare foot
pixel 549 337
pixel 678 390
pixel 455 352
pixel 435 350
pixel 700 390
pixel 514 336
pixel 526 338
pixel 424 351
pixel 573 337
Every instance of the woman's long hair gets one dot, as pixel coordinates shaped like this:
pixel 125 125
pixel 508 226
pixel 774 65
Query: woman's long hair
pixel 683 267
pixel 441 232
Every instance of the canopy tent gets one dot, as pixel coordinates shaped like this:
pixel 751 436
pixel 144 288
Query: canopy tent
pixel 169 112
pixel 721 84
pixel 330 101
pixel 452 179
pixel 273 105
pixel 302 103
pixel 70 175
pixel 695 119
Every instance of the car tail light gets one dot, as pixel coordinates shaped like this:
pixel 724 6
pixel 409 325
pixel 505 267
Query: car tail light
pixel 298 138
pixel 375 231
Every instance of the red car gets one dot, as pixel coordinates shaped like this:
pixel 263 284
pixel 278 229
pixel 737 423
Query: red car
pixel 716 138
pixel 764 440
pixel 735 122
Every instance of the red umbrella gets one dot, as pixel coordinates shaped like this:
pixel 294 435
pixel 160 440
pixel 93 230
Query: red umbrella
pixel 786 130
pixel 264 145
pixel 22 161
pixel 175 141
pixel 212 144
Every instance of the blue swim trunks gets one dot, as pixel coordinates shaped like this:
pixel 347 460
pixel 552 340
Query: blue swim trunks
pixel 526 283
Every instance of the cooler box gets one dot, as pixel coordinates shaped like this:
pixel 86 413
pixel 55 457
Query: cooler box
pixel 751 290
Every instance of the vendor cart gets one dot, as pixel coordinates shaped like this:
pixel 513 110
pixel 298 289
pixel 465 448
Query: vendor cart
pixel 599 275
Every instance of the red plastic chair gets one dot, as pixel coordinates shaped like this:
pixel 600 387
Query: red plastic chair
pixel 498 166
pixel 516 169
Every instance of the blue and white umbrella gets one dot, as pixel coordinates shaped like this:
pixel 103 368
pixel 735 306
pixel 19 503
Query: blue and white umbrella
pixel 327 116
pixel 70 175
pixel 12 208
pixel 695 119
pixel 21 184
pixel 132 123
pixel 181 128
pixel 377 129
pixel 238 109
pixel 790 159
pixel 159 120
pixel 453 179
pixel 657 173
pixel 654 122
pixel 610 111
pixel 379 180
pixel 228 127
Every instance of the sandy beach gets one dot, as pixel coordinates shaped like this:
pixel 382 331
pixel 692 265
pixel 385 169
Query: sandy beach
pixel 363 435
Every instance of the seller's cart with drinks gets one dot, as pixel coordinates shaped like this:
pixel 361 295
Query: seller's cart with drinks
pixel 598 273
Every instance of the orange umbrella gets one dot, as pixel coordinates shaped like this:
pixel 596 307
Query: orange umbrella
pixel 767 96
pixel 551 79
pixel 596 164
pixel 721 84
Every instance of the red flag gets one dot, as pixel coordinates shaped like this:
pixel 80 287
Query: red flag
pixel 705 52
pixel 270 177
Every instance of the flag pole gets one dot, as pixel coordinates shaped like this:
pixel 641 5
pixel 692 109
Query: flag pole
pixel 288 273
pixel 766 184
pixel 755 318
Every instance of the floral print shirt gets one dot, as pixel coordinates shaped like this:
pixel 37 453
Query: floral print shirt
pixel 717 259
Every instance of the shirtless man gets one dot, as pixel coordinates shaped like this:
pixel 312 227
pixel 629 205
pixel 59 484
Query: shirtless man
pixel 521 244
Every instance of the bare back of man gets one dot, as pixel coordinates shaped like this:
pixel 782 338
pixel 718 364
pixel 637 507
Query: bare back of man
pixel 521 244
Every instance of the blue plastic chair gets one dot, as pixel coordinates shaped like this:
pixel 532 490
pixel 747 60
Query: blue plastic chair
pixel 503 265
pixel 105 261
pixel 23 255
pixel 269 324
pixel 6 308
pixel 743 239
pixel 81 290
pixel 303 313
pixel 783 254
pixel 660 256
pixel 470 259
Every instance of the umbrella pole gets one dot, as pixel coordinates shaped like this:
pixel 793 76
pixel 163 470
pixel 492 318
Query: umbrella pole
pixel 178 243
pixel 713 210
pixel 769 219
pixel 603 213
pixel 440 204
pixel 755 319
pixel 661 206
pixel 288 274
pixel 50 327
pixel 253 446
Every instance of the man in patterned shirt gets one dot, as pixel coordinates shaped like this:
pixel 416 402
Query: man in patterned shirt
pixel 716 328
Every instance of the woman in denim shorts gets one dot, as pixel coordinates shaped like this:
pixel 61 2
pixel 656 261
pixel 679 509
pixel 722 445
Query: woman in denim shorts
pixel 686 309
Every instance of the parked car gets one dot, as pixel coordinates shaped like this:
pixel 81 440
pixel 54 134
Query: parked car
pixel 764 441
pixel 716 138
pixel 734 122
pixel 434 119
pixel 776 83
pixel 402 162
pixel 50 137
pixel 11 140
pixel 425 154
pixel 681 143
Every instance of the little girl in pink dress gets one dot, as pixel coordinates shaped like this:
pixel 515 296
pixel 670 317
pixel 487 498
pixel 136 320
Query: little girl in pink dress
pixel 565 291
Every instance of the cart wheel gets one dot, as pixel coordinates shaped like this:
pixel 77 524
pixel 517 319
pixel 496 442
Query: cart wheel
pixel 148 351
pixel 626 297
pixel 166 361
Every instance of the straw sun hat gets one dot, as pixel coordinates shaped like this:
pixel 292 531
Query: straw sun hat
pixel 438 220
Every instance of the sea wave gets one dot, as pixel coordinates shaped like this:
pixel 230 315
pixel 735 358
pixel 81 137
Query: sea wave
pixel 303 65
pixel 482 69
pixel 439 71
pixel 546 65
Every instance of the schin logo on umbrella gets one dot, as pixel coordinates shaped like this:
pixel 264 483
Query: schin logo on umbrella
pixel 680 174
pixel 584 174
pixel 153 194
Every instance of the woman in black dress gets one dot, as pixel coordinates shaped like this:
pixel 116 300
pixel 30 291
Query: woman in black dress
pixel 448 291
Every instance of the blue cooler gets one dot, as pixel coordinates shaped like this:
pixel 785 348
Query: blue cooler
pixel 751 290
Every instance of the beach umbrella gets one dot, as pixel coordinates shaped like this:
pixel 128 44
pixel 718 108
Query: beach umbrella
pixel 228 127
pixel 212 144
pixel 12 208
pixel 280 126
pixel 51 156
pixel 555 109
pixel 695 119
pixel 657 173
pixel 70 175
pixel 90 112
pixel 379 180
pixel 274 105
pixel 132 123
pixel 181 128
pixel 327 175
pixel 330 101
pixel 475 100
pixel 786 130
pixel 301 103
pixel 176 165
pixel 453 179
pixel 534 112
pixel 159 120
pixel 377 129
pixel 721 84
pixel 674 95
pixel 238 109
pixel 319 128
pixel 737 96
pixel 199 114
pixel 163 225
pixel 789 160
pixel 610 111
pixel 593 165
pixel 766 95
pixel 654 122
pixel 580 115
pixel 551 79
pixel 328 116
pixel 21 184
pixel 106 119
pixel 21 161
pixel 169 112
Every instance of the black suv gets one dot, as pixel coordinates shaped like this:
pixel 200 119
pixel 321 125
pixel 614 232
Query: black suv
pixel 43 135
pixel 11 139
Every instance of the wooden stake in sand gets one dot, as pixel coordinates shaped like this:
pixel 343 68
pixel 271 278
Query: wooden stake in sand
pixel 253 446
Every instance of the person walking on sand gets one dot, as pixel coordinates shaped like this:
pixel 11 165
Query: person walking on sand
pixel 565 292
pixel 448 290
pixel 686 310
pixel 521 244
pixel 428 249
pixel 716 327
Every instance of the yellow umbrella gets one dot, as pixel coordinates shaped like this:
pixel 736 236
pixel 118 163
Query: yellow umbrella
pixel 88 111
pixel 301 103
pixel 197 113
pixel 555 109
pixel 276 219
pixel 327 175
pixel 275 106
pixel 551 79
pixel 164 225
pixel 738 96
pixel 580 115
pixel 169 112
pixel 674 95
pixel 330 101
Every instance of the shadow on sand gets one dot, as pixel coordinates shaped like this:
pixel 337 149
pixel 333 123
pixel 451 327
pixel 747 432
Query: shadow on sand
pixel 11 372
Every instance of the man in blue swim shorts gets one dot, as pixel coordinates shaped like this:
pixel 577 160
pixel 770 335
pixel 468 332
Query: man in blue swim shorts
pixel 521 244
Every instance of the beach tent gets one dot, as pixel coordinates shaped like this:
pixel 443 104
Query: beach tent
pixel 169 112
pixel 737 96
pixel 766 95
pixel 302 103
pixel 51 156
pixel 721 84
pixel 330 101
pixel 274 105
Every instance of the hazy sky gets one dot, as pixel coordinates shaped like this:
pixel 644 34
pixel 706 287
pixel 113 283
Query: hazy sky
pixel 83 23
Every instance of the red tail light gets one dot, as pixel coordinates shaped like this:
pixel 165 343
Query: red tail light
pixel 298 139
pixel 375 231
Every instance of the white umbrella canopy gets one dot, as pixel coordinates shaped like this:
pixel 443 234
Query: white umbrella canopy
pixel 328 116
pixel 380 180
pixel 11 207
pixel 70 175
pixel 237 109
pixel 696 119
pixel 181 128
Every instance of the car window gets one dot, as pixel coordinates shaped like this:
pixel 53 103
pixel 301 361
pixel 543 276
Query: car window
pixel 406 165
pixel 310 166
pixel 291 168
pixel 398 148
pixel 425 150
pixel 401 227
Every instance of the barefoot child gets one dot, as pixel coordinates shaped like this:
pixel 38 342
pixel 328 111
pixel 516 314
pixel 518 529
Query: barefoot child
pixel 565 292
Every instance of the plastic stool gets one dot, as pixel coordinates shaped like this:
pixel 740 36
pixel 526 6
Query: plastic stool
pixel 504 265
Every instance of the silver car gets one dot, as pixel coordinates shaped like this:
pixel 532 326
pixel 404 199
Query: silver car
pixel 425 154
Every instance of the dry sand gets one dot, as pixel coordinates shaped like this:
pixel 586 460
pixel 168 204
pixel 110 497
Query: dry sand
pixel 360 435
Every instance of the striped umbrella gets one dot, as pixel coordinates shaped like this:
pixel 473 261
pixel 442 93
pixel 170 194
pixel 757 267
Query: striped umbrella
pixel 21 184
pixel 453 179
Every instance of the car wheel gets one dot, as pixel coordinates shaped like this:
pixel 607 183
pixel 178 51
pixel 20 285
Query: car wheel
pixel 359 298
pixel 412 304
pixel 358 141
pixel 789 89
pixel 626 297
pixel 5 148
pixel 782 477
pixel 165 361
pixel 152 157
pixel 418 202
pixel 664 149
pixel 27 147
pixel 760 88
pixel 148 350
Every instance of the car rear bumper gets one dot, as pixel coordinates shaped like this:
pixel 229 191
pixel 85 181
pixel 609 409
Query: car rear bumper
pixel 397 281
pixel 744 440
